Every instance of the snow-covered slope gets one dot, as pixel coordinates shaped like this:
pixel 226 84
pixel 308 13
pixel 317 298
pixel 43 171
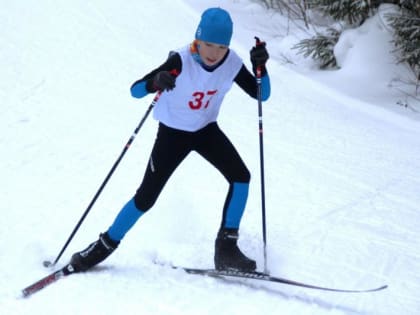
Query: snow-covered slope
pixel 341 174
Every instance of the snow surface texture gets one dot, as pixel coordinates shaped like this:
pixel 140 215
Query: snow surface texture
pixel 342 186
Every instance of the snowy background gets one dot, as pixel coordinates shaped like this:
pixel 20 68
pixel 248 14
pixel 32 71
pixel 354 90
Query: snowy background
pixel 342 165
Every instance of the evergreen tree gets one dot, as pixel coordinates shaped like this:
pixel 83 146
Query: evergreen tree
pixel 406 25
pixel 320 48
pixel 350 11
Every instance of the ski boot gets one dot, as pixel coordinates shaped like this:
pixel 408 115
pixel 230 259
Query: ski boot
pixel 228 255
pixel 94 253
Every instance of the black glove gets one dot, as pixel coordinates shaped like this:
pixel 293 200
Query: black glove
pixel 164 80
pixel 259 56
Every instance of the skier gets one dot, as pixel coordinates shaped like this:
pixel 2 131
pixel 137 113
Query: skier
pixel 193 81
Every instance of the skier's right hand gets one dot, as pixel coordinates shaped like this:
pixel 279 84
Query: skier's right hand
pixel 164 80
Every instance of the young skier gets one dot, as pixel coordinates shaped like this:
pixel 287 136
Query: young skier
pixel 193 81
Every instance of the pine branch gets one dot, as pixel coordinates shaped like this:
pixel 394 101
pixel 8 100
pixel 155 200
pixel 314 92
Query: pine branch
pixel 320 48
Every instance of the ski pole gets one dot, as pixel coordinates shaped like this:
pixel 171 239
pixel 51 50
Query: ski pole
pixel 260 128
pixel 126 147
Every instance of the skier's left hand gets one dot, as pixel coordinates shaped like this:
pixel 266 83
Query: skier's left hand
pixel 259 55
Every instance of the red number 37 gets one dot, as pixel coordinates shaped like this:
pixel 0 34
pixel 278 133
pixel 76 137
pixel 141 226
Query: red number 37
pixel 201 99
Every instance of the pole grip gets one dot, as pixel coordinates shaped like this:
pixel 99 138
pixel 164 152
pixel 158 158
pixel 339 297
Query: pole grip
pixel 258 74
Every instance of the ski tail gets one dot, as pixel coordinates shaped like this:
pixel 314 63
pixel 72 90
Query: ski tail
pixel 266 277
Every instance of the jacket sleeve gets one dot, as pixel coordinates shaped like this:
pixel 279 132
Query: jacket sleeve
pixel 248 83
pixel 144 86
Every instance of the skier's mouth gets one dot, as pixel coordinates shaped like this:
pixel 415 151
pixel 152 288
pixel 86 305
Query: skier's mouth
pixel 211 60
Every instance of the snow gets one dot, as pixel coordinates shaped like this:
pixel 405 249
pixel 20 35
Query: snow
pixel 341 162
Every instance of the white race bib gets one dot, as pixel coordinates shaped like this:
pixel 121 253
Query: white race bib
pixel 196 100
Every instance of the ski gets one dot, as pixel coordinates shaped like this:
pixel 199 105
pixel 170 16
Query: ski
pixel 51 278
pixel 266 277
pixel 255 275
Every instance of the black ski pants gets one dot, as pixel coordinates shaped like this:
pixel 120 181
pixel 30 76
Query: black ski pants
pixel 172 146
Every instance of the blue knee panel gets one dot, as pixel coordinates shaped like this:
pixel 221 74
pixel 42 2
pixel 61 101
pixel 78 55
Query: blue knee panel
pixel 236 205
pixel 124 221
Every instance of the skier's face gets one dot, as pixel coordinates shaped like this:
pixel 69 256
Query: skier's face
pixel 210 53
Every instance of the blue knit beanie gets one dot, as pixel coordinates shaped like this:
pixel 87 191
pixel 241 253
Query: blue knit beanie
pixel 215 26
